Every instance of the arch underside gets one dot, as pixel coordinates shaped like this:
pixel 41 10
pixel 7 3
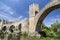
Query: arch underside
pixel 44 14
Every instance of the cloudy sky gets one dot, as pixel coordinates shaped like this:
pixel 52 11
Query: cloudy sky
pixel 19 9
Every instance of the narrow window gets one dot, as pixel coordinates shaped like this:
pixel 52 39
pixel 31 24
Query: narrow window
pixel 36 12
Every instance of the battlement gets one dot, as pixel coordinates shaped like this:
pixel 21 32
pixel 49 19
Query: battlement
pixel 33 9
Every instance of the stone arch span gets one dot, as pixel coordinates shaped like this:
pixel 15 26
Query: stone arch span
pixel 44 14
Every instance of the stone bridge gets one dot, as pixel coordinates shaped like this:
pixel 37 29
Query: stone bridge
pixel 38 18
pixel 19 26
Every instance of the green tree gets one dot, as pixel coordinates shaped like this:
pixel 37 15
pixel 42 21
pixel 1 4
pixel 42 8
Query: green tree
pixel 46 29
pixel 56 27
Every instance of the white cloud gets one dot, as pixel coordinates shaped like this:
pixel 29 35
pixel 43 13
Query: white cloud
pixel 25 18
pixel 10 18
pixel 11 12
pixel 57 16
pixel 20 17
pixel 5 16
pixel 53 20
pixel 5 8
pixel 48 25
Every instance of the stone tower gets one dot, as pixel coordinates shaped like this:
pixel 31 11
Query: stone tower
pixel 33 11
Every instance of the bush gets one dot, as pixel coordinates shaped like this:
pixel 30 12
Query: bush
pixel 25 34
pixel 2 34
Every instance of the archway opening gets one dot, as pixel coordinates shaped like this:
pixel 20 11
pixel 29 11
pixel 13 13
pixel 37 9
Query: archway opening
pixel 4 28
pixel 11 28
pixel 43 16
pixel 19 27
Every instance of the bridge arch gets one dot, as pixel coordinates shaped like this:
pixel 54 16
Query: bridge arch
pixel 43 15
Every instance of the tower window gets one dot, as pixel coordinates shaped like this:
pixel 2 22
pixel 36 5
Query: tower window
pixel 36 12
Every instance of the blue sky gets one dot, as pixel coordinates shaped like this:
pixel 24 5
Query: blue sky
pixel 19 9
pixel 52 17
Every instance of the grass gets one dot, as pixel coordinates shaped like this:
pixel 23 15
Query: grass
pixel 47 38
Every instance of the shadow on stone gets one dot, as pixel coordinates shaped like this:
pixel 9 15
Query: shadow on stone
pixel 42 33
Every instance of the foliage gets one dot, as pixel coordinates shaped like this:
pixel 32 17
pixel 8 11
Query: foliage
pixel 0 20
pixel 47 38
pixel 13 36
pixel 25 34
pixel 17 37
pixel 56 27
pixel 2 33
pixel 46 29
pixel 53 30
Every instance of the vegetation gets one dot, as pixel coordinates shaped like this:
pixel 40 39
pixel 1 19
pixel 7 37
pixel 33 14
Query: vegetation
pixel 53 32
pixel 25 34
pixel 13 37
pixel 2 34
pixel 47 38
pixel 55 27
